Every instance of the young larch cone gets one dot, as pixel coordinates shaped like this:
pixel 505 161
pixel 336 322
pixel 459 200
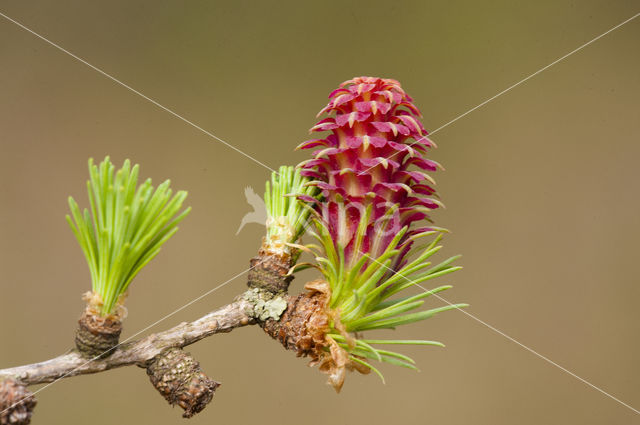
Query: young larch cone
pixel 375 137
pixel 371 171
pixel 16 403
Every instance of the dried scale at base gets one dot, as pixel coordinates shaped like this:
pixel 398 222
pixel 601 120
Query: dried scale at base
pixel 97 336
pixel 303 325
pixel 304 328
pixel 371 170
pixel 286 222
pixel 361 198
pixel 123 230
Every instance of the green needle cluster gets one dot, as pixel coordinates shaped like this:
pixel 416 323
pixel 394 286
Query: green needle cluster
pixel 287 216
pixel 368 295
pixel 125 228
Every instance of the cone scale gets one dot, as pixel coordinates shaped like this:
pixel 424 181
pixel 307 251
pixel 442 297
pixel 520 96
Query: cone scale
pixel 371 170
pixel 373 157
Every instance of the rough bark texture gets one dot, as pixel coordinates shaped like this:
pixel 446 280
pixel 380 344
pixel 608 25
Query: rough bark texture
pixel 303 325
pixel 138 352
pixel 175 374
pixel 97 336
pixel 16 403
pixel 269 272
pixel 180 380
pixel 303 328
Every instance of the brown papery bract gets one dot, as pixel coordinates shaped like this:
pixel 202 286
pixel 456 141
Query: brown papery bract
pixel 303 328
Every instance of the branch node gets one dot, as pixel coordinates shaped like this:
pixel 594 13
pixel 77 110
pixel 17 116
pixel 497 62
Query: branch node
pixel 269 271
pixel 96 335
pixel 303 325
pixel 16 403
pixel 179 379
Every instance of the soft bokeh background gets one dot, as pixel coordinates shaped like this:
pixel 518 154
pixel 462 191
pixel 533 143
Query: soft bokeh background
pixel 542 194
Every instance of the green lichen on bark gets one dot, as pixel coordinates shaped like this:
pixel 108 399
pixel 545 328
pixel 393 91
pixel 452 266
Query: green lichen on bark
pixel 265 304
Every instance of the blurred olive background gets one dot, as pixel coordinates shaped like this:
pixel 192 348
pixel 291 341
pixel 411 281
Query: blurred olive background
pixel 541 188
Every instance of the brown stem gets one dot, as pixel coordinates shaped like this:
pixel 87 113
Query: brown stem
pixel 138 352
pixel 174 373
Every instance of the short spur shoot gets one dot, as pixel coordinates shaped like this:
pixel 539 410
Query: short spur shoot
pixel 287 220
pixel 364 197
pixel 124 228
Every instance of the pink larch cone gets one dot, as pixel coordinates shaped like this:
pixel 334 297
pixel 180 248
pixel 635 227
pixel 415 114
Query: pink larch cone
pixel 375 139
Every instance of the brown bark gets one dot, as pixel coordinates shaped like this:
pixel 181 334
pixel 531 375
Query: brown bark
pixel 269 272
pixel 138 352
pixel 180 380
pixel 173 372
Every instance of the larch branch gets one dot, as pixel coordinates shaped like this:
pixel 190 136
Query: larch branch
pixel 138 352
